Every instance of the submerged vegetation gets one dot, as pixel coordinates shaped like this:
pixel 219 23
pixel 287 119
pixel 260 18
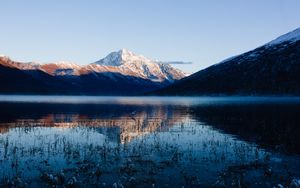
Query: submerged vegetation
pixel 137 146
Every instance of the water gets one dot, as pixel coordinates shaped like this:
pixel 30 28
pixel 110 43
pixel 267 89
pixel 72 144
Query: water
pixel 149 141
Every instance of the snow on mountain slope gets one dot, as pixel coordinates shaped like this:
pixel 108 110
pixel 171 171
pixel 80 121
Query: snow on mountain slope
pixel 6 61
pixel 277 44
pixel 121 62
pixel 128 63
pixel 292 36
pixel 120 57
pixel 61 68
pixel 270 69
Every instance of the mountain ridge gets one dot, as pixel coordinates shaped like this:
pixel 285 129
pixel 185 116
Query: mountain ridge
pixel 271 69
pixel 122 62
pixel 135 75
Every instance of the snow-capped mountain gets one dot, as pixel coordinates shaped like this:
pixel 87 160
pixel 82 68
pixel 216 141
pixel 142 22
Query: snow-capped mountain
pixel 128 63
pixel 290 37
pixel 127 72
pixel 271 69
pixel 122 62
pixel 281 42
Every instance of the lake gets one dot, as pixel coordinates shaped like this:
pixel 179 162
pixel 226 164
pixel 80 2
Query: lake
pixel 79 141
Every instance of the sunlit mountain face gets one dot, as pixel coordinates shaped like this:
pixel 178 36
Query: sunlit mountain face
pixel 127 72
pixel 138 142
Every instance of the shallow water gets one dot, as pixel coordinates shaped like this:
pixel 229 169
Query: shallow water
pixel 149 141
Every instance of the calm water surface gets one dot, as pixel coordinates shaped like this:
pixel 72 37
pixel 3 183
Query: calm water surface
pixel 71 141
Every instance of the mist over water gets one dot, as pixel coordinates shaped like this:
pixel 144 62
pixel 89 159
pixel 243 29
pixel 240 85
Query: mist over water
pixel 149 141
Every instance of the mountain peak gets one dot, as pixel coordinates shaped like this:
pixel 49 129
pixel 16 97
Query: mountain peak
pixel 120 57
pixel 130 63
pixel 125 52
pixel 4 57
pixel 126 55
pixel 292 36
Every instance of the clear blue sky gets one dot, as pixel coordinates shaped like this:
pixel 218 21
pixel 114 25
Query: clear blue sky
pixel 204 32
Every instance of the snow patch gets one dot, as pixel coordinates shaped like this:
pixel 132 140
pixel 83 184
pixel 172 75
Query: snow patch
pixel 292 36
pixel 131 64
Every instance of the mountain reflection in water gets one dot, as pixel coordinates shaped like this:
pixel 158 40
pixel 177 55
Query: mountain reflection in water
pixel 149 141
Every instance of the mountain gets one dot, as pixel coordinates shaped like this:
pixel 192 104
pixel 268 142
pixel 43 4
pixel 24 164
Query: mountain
pixel 18 77
pixel 128 63
pixel 61 68
pixel 271 69
pixel 128 73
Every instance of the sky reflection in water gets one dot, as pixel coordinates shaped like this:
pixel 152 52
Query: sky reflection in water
pixel 144 141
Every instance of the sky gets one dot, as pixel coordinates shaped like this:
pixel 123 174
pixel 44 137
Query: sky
pixel 200 31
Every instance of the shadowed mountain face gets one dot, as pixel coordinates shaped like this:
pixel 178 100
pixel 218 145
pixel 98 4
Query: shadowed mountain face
pixel 119 73
pixel 14 81
pixel 272 69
